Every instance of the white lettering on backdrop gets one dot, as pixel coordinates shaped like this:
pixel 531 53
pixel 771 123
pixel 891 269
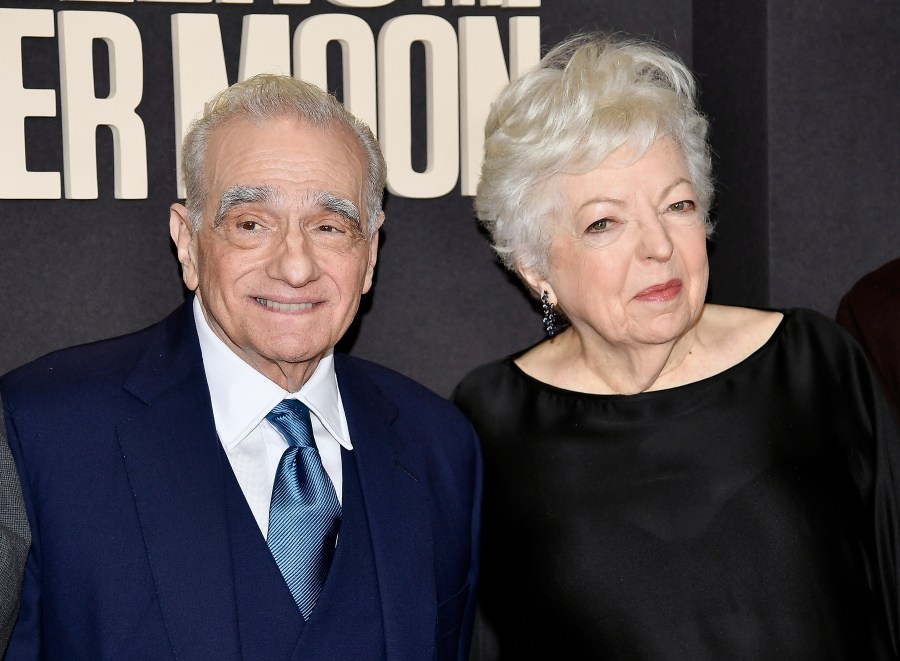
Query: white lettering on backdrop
pixel 465 67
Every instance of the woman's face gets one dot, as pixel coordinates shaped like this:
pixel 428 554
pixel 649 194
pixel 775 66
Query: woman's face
pixel 628 254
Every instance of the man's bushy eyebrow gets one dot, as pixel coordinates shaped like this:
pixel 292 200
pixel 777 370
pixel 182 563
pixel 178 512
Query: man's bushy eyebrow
pixel 237 195
pixel 339 205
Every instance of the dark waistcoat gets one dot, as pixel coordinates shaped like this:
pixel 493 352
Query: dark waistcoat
pixel 347 621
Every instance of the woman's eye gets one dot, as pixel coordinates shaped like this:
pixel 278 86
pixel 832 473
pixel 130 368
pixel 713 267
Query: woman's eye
pixel 684 205
pixel 599 225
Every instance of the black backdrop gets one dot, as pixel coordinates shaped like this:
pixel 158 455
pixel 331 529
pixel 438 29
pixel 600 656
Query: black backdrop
pixel 804 98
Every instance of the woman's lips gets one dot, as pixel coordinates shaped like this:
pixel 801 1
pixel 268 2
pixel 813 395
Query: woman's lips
pixel 664 291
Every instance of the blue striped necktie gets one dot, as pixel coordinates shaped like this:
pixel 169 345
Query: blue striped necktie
pixel 304 515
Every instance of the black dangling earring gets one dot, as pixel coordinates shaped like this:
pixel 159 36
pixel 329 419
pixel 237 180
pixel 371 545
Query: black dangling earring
pixel 549 315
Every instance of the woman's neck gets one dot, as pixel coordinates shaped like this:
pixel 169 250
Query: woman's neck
pixel 582 361
pixel 593 365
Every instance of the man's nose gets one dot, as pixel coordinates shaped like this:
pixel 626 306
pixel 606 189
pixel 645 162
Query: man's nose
pixel 293 260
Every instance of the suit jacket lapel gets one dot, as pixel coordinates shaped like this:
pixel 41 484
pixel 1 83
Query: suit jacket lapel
pixel 391 474
pixel 174 466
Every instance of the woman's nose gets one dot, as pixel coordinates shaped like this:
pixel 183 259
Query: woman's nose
pixel 655 242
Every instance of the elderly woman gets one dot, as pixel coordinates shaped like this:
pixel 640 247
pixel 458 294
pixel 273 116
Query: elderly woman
pixel 664 478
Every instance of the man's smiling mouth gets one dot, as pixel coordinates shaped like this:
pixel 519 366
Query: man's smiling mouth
pixel 284 307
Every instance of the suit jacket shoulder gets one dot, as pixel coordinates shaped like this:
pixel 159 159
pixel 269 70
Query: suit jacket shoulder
pixel 410 397
pixel 426 428
pixel 96 370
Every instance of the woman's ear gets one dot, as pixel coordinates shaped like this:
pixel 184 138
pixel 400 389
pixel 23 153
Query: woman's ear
pixel 536 282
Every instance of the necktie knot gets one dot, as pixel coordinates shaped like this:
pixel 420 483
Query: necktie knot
pixel 291 418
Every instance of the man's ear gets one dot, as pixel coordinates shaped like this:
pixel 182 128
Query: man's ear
pixel 373 254
pixel 182 233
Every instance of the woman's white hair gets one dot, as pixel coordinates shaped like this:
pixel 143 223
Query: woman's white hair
pixel 265 97
pixel 588 96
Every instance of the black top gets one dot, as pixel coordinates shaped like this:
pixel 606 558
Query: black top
pixel 749 515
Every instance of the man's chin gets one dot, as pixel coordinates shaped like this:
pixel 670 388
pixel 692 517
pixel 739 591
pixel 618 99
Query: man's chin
pixel 294 351
pixel 289 367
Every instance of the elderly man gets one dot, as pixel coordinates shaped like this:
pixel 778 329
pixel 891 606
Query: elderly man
pixel 222 485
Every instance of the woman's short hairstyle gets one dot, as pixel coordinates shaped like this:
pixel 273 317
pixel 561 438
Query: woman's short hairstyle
pixel 587 97
pixel 265 97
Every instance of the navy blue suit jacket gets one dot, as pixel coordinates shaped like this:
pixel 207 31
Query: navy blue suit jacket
pixel 122 474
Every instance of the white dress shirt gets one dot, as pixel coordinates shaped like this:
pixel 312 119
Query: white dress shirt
pixel 241 399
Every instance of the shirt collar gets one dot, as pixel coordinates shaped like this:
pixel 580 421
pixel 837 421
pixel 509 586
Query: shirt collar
pixel 241 396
